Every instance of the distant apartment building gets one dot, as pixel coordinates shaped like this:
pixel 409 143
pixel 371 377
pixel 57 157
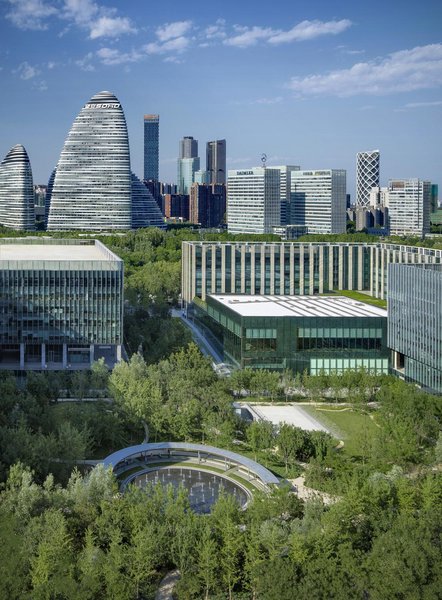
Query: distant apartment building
pixel 367 176
pixel 318 200
pixel 207 204
pixel 151 146
pixel 253 200
pixel 415 323
pixel 61 304
pixel 216 161
pixel 409 202
pixel 176 206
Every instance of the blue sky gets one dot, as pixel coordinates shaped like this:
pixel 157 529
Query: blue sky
pixel 305 83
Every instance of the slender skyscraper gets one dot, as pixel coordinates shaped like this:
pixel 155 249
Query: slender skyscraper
pixel 188 164
pixel 151 146
pixel 188 147
pixel 216 161
pixel 367 176
pixel 17 191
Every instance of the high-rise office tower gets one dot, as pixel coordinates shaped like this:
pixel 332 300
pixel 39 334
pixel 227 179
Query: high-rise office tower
pixel 145 210
pixel 188 164
pixel 367 176
pixel 253 200
pixel 17 191
pixel 409 202
pixel 285 183
pixel 216 161
pixel 318 200
pixel 151 146
pixel 188 147
pixel 92 185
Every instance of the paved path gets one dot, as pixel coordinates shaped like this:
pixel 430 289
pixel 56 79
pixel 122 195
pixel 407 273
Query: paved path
pixel 200 339
pixel 306 493
pixel 165 591
pixel 292 415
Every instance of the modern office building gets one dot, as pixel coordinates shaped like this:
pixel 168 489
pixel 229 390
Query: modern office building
pixel 145 210
pixel 285 183
pixel 415 323
pixel 202 177
pixel 92 184
pixel 253 200
pixel 17 191
pixel 293 268
pixel 61 304
pixel 409 205
pixel 318 200
pixel 151 146
pixel 188 147
pixel 207 204
pixel 216 161
pixel 301 333
pixel 187 167
pixel 367 176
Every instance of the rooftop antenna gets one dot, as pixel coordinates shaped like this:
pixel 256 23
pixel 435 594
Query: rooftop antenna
pixel 264 160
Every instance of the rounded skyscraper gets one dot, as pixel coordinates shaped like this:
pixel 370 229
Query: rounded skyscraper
pixel 17 191
pixel 92 184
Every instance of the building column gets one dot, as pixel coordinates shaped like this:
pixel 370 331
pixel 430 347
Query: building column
pixel 22 356
pixel 203 269
pixel 223 269
pixel 301 270
pixel 233 269
pixel 262 283
pixel 252 269
pixel 292 269
pixel 311 270
pixel 282 269
pixel 213 274
pixel 91 354
pixel 331 280
pixel 65 356
pixel 43 356
pixel 272 269
pixel 350 267
pixel 243 269
pixel 321 269
pixel 118 352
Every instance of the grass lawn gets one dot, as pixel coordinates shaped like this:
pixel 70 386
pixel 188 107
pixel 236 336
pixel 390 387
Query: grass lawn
pixel 348 425
pixel 361 297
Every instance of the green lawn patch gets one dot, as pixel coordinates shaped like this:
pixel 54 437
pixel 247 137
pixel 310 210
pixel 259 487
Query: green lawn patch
pixel 351 426
pixel 361 297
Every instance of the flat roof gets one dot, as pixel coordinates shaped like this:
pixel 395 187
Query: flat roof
pixel 55 252
pixel 297 306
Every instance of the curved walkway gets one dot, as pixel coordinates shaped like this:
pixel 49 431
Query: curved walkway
pixel 125 457
pixel 165 591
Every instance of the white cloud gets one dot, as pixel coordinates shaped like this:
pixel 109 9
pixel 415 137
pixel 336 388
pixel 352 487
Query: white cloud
pixel 403 71
pixel 173 30
pixel 85 63
pixel 249 36
pixel 275 100
pixel 176 45
pixel 423 104
pixel 216 31
pixel 308 30
pixel 26 71
pixel 30 14
pixel 111 56
pixel 99 21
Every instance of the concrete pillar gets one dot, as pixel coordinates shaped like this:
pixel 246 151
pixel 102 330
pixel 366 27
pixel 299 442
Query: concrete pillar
pixel 252 268
pixel 118 352
pixel 91 354
pixel 213 282
pixel 65 356
pixel 22 356
pixel 43 356
pixel 203 269
pixel 223 269
pixel 321 269
pixel 292 269
pixel 272 269
pixel 243 269
pixel 301 270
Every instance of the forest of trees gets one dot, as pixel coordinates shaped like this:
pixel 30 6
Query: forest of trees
pixel 67 533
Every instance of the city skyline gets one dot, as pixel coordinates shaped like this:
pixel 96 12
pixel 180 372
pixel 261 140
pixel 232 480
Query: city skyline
pixel 311 87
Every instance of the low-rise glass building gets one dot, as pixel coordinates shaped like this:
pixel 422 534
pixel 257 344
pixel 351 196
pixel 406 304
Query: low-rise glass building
pixel 415 323
pixel 317 334
pixel 61 304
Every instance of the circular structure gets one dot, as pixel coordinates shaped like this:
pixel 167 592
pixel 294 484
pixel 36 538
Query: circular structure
pixel 203 487
pixel 203 470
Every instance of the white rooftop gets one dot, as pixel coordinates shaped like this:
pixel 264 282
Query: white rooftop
pixel 54 252
pixel 298 306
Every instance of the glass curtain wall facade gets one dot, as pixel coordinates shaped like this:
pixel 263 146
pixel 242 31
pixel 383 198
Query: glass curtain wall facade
pixel 61 306
pixel 415 323
pixel 17 191
pixel 293 267
pixel 92 185
pixel 151 146
pixel 320 344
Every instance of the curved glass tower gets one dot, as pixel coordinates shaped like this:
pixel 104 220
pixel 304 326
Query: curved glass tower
pixel 92 185
pixel 145 211
pixel 17 191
